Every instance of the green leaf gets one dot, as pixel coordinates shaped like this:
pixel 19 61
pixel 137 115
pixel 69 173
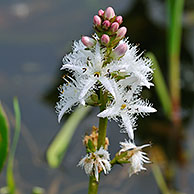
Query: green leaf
pixel 10 176
pixel 4 133
pixel 175 13
pixel 160 85
pixel 58 147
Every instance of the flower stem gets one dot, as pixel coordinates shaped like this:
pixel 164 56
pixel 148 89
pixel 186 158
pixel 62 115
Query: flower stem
pixel 93 184
pixel 102 121
pixel 102 132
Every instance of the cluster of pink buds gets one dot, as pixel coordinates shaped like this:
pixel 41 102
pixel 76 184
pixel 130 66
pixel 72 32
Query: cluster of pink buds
pixel 107 27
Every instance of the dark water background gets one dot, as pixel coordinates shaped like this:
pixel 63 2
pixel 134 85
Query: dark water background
pixel 34 36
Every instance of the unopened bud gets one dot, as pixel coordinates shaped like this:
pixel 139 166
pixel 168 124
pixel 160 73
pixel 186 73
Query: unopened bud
pixel 119 51
pixel 87 41
pixel 105 39
pixel 97 20
pixel 100 12
pixel 109 13
pixel 114 27
pixel 106 24
pixel 121 32
pixel 119 19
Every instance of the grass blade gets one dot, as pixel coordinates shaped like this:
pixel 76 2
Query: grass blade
pixel 10 176
pixel 57 149
pixel 160 86
pixel 174 46
pixel 4 133
pixel 160 179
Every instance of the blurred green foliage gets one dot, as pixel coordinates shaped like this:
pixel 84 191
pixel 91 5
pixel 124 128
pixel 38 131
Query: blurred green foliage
pixel 59 145
pixel 4 133
pixel 160 86
pixel 10 176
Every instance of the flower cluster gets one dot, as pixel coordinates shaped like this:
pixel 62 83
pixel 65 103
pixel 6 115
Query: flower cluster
pixel 107 63
pixel 96 162
pixel 137 156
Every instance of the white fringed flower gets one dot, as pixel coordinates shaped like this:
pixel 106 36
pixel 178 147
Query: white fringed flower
pixel 138 157
pixel 69 96
pixel 96 162
pixel 88 65
pixel 126 106
pixel 90 74
pixel 134 65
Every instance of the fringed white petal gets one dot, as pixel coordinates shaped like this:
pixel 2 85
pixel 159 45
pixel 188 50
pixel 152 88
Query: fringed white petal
pixel 128 125
pixel 72 67
pixel 65 108
pixel 109 112
pixel 90 83
pixel 108 84
pixel 138 157
pixel 96 161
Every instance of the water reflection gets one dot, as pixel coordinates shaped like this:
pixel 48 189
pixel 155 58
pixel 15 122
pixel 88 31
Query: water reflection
pixel 34 36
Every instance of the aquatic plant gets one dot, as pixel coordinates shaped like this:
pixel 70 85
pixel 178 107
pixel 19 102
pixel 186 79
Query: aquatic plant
pixel 107 71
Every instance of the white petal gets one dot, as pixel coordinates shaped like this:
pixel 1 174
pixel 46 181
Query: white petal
pixel 96 172
pixel 109 112
pixel 107 166
pixel 82 162
pixel 90 83
pixel 65 108
pixel 103 167
pixel 88 167
pixel 128 125
pixel 127 81
pixel 108 84
pixel 143 146
pixel 72 67
pixel 145 82
pixel 142 109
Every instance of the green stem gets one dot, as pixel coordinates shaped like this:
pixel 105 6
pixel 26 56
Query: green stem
pixel 93 184
pixel 102 121
pixel 102 132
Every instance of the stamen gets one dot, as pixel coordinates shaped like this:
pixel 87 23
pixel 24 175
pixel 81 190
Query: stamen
pixel 97 74
pixel 61 89
pixel 123 106
pixel 128 88
pixel 84 69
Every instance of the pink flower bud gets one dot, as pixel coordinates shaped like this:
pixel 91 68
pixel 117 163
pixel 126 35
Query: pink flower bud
pixel 97 20
pixel 114 27
pixel 88 42
pixel 119 19
pixel 100 12
pixel 119 51
pixel 121 32
pixel 105 39
pixel 109 13
pixel 106 24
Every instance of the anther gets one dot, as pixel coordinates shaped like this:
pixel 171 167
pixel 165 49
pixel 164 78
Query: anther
pixel 123 106
pixel 84 69
pixel 97 74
